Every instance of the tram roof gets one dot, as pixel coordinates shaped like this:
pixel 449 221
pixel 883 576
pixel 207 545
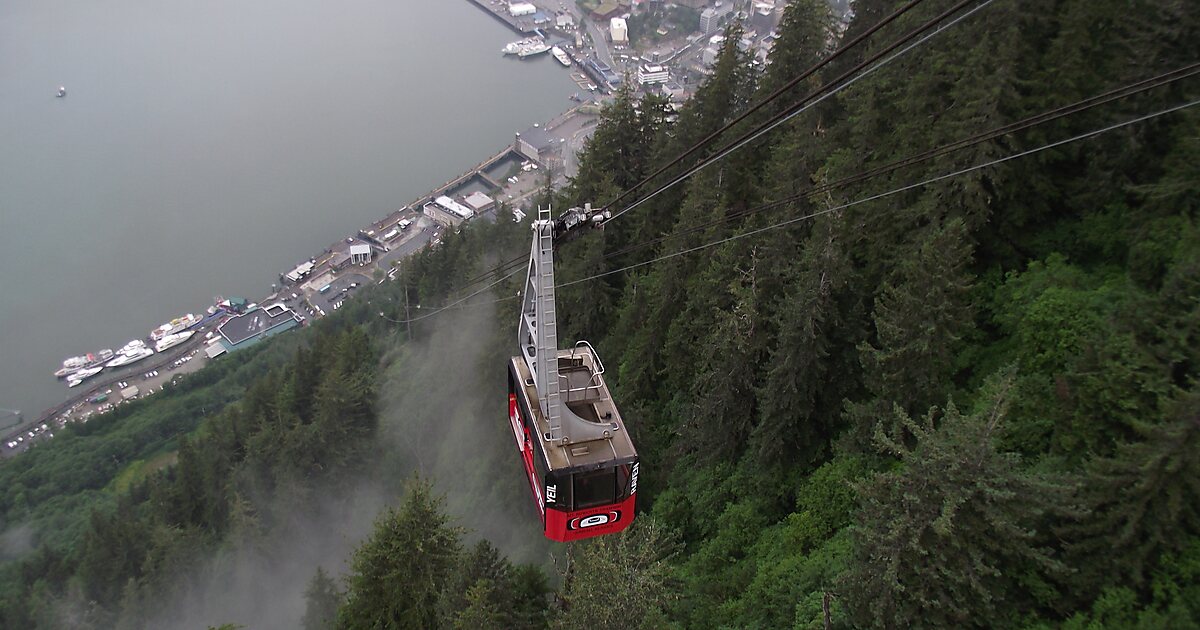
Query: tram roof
pixel 579 454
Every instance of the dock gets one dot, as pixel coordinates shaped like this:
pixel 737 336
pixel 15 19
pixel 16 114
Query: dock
pixel 523 25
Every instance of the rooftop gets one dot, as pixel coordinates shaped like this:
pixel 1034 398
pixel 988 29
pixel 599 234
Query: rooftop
pixel 360 249
pixel 478 201
pixel 537 138
pixel 255 322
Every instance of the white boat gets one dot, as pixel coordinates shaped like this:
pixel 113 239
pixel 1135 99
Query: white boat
pixel 74 364
pixel 561 56
pixel 133 351
pixel 513 48
pixel 172 340
pixel 536 48
pixel 83 375
pixel 175 325
pixel 62 91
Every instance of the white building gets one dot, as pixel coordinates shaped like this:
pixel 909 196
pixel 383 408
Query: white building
pixel 360 254
pixel 619 30
pixel 649 73
pixel 455 207
pixel 519 9
pixel 710 18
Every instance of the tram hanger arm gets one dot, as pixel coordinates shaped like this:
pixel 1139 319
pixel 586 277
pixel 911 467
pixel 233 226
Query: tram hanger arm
pixel 570 223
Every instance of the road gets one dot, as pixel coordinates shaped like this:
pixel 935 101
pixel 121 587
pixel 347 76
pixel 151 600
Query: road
pixel 599 42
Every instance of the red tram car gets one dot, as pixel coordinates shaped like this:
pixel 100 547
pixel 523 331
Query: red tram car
pixel 580 461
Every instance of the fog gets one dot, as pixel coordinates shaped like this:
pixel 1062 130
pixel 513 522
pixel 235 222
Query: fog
pixel 443 416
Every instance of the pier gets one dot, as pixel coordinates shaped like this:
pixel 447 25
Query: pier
pixel 521 25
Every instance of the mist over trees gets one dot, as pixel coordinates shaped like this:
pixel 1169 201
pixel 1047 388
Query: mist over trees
pixel 970 404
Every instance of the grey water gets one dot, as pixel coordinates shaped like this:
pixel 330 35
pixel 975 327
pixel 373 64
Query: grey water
pixel 204 148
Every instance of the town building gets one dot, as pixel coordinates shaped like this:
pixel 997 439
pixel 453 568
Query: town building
pixel 520 9
pixel 447 211
pixel 360 254
pixel 712 18
pixel 564 22
pixel 299 272
pixel 618 30
pixel 479 202
pixel 537 144
pixel 340 260
pixel 649 74
pixel 453 206
pixel 764 17
pixel 255 325
pixel 609 9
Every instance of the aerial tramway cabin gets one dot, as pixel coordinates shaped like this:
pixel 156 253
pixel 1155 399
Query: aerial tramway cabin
pixel 580 461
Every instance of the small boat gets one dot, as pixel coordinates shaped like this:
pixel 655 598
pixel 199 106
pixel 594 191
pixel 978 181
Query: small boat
pixel 83 375
pixel 62 91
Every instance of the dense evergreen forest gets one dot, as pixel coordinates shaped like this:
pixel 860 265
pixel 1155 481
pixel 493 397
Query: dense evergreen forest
pixel 972 403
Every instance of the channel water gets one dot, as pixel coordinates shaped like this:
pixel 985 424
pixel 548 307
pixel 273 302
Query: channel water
pixel 204 148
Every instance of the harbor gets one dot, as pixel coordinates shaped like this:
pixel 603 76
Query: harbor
pixel 592 50
pixel 316 287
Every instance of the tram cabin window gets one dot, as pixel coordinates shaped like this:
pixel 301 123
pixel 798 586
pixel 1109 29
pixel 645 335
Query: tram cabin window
pixel 598 487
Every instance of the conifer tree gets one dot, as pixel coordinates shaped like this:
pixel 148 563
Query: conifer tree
pixel 951 539
pixel 619 581
pixel 1144 502
pixel 321 600
pixel 808 374
pixel 398 574
pixel 919 318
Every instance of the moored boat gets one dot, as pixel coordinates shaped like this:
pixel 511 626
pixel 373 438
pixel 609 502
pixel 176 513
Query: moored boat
pixel 74 364
pixel 536 48
pixel 83 375
pixel 178 324
pixel 172 340
pixel 133 351
pixel 561 56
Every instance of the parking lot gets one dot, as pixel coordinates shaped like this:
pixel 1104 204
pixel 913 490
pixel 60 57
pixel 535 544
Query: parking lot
pixel 339 290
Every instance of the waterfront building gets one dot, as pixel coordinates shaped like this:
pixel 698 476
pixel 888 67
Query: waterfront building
pixel 649 74
pixel 441 215
pixel 453 206
pixel 537 144
pixel 564 22
pixel 360 254
pixel 521 9
pixel 618 30
pixel 479 202
pixel 214 348
pixel 255 325
pixel 340 260
pixel 299 272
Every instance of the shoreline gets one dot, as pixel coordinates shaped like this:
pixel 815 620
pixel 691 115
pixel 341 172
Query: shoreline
pixel 62 412
pixel 489 174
